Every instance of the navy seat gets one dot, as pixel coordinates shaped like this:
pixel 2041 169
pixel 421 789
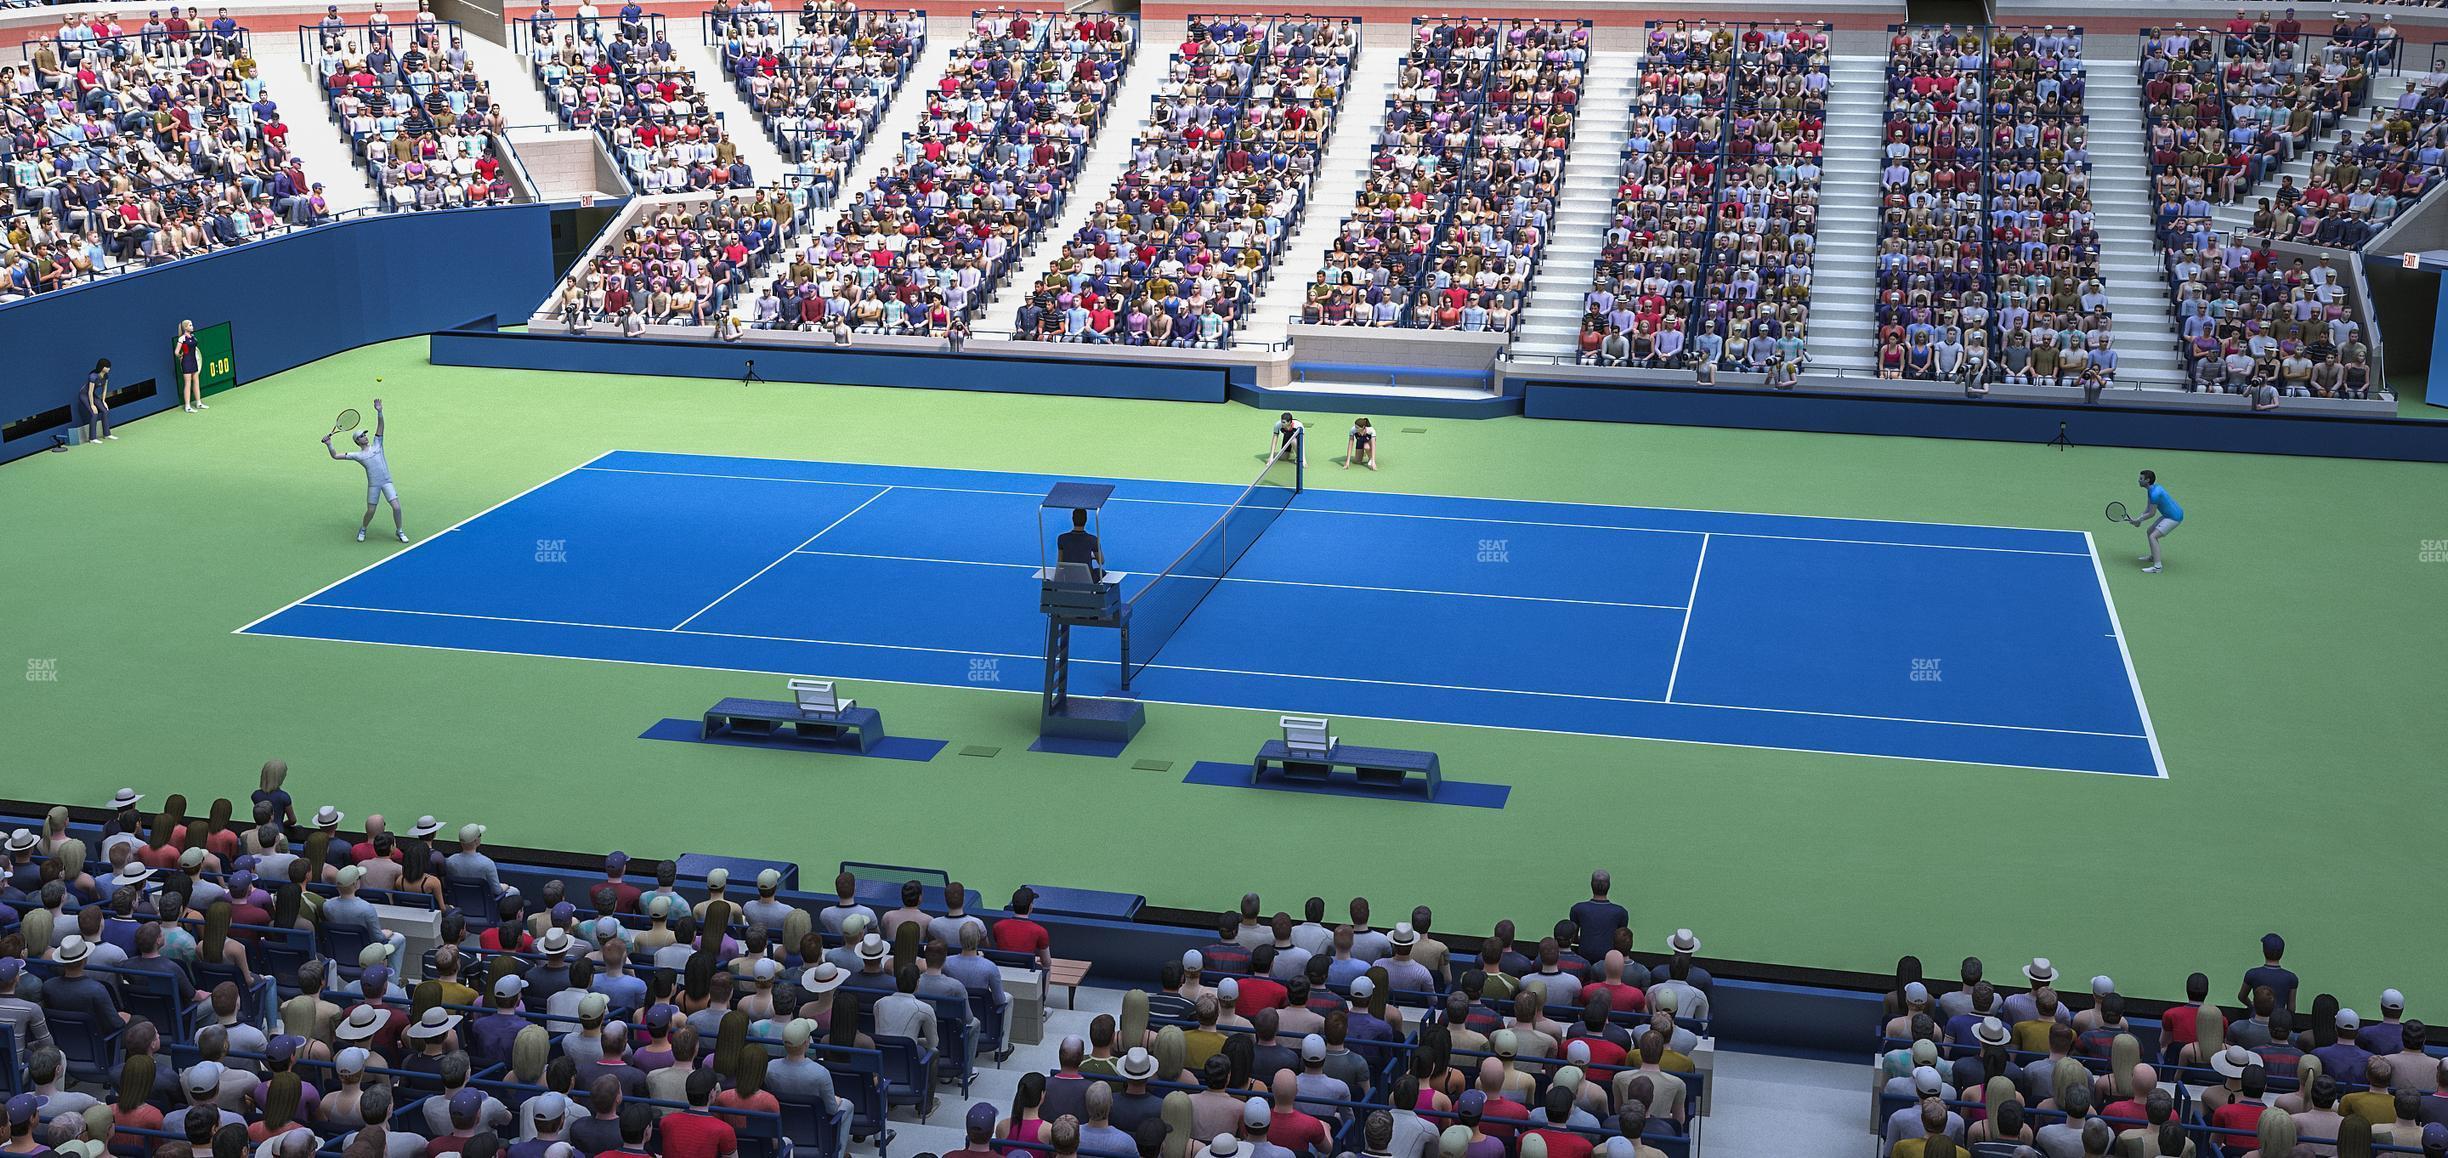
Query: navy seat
pixel 908 1073
pixel 858 1075
pixel 158 998
pixel 990 1028
pixel 92 1049
pixel 817 1131
pixel 474 900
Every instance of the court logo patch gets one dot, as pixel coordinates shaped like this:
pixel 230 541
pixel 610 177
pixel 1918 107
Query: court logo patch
pixel 42 671
pixel 552 551
pixel 985 670
pixel 1495 550
pixel 1925 671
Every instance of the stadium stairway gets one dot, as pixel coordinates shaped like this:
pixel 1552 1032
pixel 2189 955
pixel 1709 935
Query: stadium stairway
pixel 2138 304
pixel 1341 169
pixel 1109 152
pixel 884 144
pixel 313 135
pixel 2385 91
pixel 513 83
pixel 1844 274
pixel 1551 324
pixel 739 121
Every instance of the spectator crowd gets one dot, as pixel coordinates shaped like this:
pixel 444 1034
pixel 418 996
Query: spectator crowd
pixel 621 79
pixel 1004 131
pixel 416 114
pixel 819 80
pixel 128 147
pixel 1217 179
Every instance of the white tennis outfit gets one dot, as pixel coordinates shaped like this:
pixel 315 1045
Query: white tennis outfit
pixel 378 471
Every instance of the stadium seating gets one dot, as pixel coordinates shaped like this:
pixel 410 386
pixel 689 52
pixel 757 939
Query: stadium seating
pixel 1218 179
pixel 1004 131
pixel 819 81
pixel 622 80
pixel 685 265
pixel 95 186
pixel 1448 231
pixel 416 114
pixel 1710 253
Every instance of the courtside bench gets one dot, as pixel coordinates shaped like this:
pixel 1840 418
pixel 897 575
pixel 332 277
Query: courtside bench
pixel 854 730
pixel 1376 769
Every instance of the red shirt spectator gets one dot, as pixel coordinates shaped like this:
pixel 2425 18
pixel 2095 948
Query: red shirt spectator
pixel 696 1134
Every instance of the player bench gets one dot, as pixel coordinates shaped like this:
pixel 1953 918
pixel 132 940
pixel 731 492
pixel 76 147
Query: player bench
pixel 850 729
pixel 1374 769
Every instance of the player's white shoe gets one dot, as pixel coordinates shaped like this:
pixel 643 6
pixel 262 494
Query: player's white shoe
pixel 2151 570
pixel 201 406
pixel 403 536
pixel 110 438
pixel 361 534
pixel 188 409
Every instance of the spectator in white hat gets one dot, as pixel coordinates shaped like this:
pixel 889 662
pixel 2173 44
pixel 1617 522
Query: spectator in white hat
pixel 2386 1035
pixel 1691 999
pixel 1907 1122
pixel 2345 1058
pixel 1916 1004
pixel 2040 974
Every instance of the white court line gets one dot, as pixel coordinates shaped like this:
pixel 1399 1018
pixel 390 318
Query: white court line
pixel 1277 582
pixel 1411 495
pixel 2133 679
pixel 1421 685
pixel 784 558
pixel 1689 601
pixel 1201 704
pixel 421 542
pixel 1483 521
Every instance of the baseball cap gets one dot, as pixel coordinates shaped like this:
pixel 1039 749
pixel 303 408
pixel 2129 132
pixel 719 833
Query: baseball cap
pixel 510 985
pixel 615 861
pixel 1229 989
pixel 23 1107
pixel 1254 1114
pixel 192 858
pixel 2391 999
pixel 1313 1048
pixel 1472 1102
pixel 769 880
pixel 549 1106
pixel 10 967
pixel 1192 961
pixel 349 876
pixel 798 1031
pixel 1362 987
pixel 2349 1019
pixel 284 1048
pixel 469 832
pixel 2435 1135
pixel 718 878
pixel 351 1060
pixel 204 1077
pixel 1916 994
pixel 1926 1080
pixel 2101 986
pixel 466 1101
pixel 981 1117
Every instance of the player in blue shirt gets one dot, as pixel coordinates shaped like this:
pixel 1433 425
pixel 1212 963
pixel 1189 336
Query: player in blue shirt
pixel 2160 513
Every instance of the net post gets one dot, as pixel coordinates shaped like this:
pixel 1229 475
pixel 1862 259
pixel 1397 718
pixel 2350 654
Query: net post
pixel 1300 460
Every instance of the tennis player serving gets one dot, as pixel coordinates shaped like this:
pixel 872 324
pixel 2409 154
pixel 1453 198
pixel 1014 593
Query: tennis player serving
pixel 369 454
pixel 2159 513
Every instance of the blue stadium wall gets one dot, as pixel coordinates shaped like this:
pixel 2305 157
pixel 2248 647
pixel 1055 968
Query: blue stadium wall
pixel 289 301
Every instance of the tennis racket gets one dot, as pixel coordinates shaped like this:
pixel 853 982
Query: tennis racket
pixel 348 420
pixel 2116 513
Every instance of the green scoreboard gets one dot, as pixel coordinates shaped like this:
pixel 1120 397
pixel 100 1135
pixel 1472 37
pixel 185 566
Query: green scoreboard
pixel 220 368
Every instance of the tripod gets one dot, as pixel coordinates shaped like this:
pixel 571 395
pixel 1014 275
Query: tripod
pixel 750 375
pixel 2061 441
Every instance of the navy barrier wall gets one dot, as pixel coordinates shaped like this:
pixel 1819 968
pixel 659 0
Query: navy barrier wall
pixel 1997 420
pixel 926 369
pixel 289 301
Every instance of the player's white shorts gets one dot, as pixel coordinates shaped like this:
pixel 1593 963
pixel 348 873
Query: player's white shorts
pixel 2163 527
pixel 376 494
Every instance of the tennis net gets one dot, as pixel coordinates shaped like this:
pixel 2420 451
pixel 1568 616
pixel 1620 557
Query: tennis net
pixel 1160 607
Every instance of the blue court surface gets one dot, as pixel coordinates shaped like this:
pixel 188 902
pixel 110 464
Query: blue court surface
pixel 1982 645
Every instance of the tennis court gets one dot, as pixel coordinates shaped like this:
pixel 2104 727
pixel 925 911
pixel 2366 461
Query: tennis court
pixel 1972 644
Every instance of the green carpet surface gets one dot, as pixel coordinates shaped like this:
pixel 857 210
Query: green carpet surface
pixel 2291 656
